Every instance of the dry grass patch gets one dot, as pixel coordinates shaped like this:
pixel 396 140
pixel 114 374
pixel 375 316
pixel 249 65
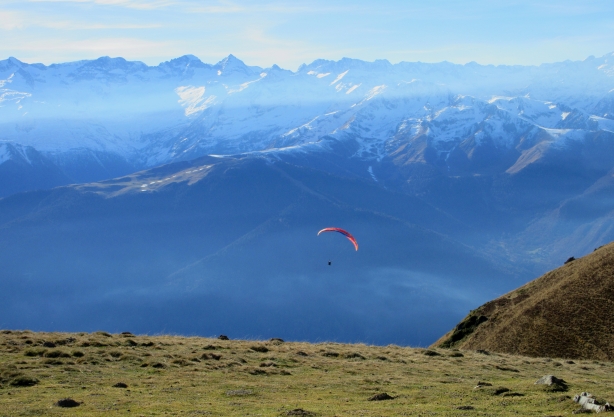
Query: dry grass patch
pixel 567 312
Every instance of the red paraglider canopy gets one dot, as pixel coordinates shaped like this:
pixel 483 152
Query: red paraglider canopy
pixel 343 232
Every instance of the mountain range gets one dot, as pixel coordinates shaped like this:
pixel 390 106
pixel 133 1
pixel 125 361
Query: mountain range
pixel 462 118
pixel 152 194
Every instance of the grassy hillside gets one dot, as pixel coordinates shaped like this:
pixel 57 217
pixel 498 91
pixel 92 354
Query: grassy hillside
pixel 567 313
pixel 190 376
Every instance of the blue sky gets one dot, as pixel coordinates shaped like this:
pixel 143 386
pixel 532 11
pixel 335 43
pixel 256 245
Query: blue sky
pixel 290 33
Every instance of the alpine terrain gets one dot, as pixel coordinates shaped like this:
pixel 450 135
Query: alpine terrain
pixel 186 197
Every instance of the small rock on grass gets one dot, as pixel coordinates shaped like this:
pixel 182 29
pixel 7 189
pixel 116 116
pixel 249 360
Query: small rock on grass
pixel 120 385
pixel 465 407
pixel 552 383
pixel 549 380
pixel 381 397
pixel 67 402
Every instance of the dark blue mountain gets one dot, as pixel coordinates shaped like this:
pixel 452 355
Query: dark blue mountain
pixel 229 245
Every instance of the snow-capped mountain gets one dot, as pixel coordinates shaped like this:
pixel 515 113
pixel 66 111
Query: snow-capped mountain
pixel 119 116
pixel 460 181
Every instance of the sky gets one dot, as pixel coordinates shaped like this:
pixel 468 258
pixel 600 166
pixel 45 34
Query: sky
pixel 290 33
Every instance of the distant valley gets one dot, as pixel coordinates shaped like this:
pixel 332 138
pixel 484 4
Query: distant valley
pixel 186 197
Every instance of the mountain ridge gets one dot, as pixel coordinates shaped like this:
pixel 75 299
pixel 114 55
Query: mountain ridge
pixel 179 238
pixel 197 100
pixel 566 313
pixel 462 181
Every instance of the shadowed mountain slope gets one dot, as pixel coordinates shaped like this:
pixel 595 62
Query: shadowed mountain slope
pixel 230 245
pixel 568 313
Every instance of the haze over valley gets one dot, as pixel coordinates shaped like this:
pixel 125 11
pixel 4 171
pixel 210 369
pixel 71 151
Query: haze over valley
pixel 186 197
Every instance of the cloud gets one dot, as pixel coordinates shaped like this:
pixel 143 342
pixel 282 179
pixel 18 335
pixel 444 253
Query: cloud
pixel 119 46
pixel 61 50
pixel 132 4
pixel 222 7
pixel 73 25
pixel 57 17
pixel 139 4
pixel 227 7
pixel 572 9
pixel 10 20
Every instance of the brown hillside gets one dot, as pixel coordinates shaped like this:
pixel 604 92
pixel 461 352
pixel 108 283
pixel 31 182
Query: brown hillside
pixel 566 313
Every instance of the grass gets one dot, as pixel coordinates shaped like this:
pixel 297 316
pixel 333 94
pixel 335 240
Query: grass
pixel 191 376
pixel 567 312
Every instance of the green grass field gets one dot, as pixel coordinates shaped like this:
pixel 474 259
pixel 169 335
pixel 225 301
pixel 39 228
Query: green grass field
pixel 192 376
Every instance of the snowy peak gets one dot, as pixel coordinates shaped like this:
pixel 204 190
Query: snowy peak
pixel 106 67
pixel 11 63
pixel 184 108
pixel 184 67
pixel 231 65
pixel 106 63
pixel 344 64
pixel 187 61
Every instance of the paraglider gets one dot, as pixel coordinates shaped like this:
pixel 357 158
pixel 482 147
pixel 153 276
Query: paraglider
pixel 343 232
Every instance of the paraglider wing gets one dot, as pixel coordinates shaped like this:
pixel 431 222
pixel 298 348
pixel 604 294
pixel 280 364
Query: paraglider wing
pixel 343 232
